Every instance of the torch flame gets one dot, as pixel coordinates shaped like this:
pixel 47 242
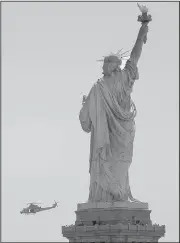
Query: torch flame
pixel 142 8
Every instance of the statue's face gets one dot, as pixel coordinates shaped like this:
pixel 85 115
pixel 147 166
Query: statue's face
pixel 110 64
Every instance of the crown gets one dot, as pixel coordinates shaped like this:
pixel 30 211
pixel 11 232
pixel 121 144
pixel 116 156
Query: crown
pixel 119 55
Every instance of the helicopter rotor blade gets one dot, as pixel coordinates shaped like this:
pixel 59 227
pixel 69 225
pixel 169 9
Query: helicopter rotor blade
pixel 33 203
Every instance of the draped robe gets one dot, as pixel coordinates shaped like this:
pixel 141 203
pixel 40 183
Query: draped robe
pixel 108 114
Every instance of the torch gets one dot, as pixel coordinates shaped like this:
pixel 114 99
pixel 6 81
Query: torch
pixel 144 18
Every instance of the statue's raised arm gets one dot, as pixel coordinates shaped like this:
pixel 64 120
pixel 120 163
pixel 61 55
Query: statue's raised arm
pixel 137 49
pixel 142 35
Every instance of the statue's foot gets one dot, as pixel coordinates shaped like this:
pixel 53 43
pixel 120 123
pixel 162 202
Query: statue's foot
pixel 134 200
pixel 131 198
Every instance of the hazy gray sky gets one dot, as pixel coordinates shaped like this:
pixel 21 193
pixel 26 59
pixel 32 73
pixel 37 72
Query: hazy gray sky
pixel 49 53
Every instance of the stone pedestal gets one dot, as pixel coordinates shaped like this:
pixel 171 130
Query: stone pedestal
pixel 113 222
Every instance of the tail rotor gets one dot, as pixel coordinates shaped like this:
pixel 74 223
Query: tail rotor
pixel 55 204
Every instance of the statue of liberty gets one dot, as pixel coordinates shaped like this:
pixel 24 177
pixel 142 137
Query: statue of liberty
pixel 108 113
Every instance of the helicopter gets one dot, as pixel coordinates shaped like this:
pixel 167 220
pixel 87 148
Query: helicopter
pixel 33 208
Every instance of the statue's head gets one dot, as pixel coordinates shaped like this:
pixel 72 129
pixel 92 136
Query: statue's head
pixel 111 64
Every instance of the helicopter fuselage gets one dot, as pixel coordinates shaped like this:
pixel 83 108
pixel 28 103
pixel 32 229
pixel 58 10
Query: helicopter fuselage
pixel 35 209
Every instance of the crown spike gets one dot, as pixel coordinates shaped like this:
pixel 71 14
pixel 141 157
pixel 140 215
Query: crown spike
pixel 119 51
pixel 119 55
pixel 125 52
